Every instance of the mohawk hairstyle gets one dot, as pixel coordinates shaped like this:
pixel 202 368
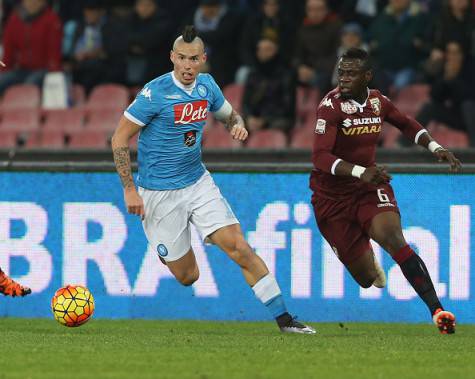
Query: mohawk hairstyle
pixel 189 33
pixel 362 55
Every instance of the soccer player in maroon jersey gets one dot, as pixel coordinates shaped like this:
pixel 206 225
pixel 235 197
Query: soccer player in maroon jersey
pixel 352 198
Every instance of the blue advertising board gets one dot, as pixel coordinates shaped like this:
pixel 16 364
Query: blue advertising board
pixel 61 228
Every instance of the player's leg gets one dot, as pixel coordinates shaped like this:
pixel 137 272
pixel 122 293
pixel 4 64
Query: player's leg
pixel 185 269
pixel 167 229
pixel 176 253
pixel 386 230
pixel 362 269
pixel 351 245
pixel 231 240
pixel 338 224
pixel 9 287
pixel 215 220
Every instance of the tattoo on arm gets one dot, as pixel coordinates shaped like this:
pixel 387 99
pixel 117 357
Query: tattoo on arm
pixel 233 119
pixel 122 164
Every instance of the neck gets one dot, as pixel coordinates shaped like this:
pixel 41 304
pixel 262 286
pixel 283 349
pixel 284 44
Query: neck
pixel 180 84
pixel 361 97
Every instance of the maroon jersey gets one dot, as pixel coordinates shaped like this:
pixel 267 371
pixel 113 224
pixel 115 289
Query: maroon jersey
pixel 349 131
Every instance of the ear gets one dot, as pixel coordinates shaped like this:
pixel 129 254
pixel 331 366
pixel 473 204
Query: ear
pixel 368 76
pixel 204 58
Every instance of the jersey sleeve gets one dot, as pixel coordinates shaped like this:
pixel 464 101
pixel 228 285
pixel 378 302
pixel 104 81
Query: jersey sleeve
pixel 326 130
pixel 217 97
pixel 144 108
pixel 407 125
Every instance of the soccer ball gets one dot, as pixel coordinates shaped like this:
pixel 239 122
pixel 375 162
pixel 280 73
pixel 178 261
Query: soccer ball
pixel 72 305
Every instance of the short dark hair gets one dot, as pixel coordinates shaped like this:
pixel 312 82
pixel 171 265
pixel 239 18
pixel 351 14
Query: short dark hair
pixel 189 33
pixel 357 53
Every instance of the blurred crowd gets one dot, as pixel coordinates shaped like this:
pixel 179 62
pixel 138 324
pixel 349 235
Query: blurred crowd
pixel 269 47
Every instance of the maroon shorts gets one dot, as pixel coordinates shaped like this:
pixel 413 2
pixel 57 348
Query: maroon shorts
pixel 345 223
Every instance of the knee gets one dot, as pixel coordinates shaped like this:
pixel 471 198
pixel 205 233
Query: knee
pixel 366 283
pixel 391 239
pixel 365 278
pixel 187 278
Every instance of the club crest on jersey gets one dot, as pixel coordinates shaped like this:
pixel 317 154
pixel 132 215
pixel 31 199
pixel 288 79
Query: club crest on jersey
pixel 190 138
pixel 162 250
pixel 348 107
pixel 376 105
pixel 321 126
pixel 202 90
pixel 186 113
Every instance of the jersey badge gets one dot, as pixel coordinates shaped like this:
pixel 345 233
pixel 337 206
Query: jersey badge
pixel 376 105
pixel 162 250
pixel 321 126
pixel 202 90
pixel 190 138
pixel 348 108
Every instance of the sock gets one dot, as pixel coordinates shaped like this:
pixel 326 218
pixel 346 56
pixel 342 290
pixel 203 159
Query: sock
pixel 415 271
pixel 268 292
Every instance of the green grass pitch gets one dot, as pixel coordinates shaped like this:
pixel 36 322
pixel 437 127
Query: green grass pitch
pixel 41 348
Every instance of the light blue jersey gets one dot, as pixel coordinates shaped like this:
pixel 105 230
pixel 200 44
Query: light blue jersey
pixel 173 117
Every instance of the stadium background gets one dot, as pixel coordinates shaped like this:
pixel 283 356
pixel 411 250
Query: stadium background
pixel 61 204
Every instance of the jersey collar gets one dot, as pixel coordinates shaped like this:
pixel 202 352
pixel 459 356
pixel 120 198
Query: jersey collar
pixel 364 104
pixel 188 89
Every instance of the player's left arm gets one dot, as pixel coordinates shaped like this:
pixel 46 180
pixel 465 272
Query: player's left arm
pixel 441 153
pixel 417 133
pixel 232 120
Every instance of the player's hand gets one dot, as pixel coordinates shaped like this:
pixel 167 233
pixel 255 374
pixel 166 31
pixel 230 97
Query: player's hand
pixel 134 203
pixel 376 175
pixel 444 155
pixel 239 132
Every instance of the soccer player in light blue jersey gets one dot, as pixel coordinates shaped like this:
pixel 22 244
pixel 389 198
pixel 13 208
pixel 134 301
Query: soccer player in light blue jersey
pixel 174 187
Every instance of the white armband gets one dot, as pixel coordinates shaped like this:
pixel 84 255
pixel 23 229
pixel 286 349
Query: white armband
pixel 419 134
pixel 433 146
pixel 223 113
pixel 357 171
pixel 332 170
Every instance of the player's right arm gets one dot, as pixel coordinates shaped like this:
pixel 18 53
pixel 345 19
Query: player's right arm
pixel 137 115
pixel 326 131
pixel 120 148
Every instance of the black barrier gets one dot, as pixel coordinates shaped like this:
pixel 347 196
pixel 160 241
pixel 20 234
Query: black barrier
pixel 404 160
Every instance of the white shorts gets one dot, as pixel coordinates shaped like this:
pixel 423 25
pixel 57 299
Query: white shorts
pixel 168 215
